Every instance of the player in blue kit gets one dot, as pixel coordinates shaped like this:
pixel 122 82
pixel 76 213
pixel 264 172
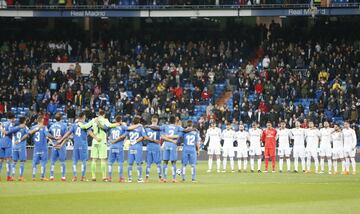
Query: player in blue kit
pixel 19 149
pixel 153 154
pixel 7 130
pixel 190 151
pixel 58 152
pixel 80 151
pixel 116 149
pixel 135 151
pixel 39 134
pixel 170 134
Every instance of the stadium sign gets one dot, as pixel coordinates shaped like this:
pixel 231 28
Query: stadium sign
pixel 306 12
pixel 87 13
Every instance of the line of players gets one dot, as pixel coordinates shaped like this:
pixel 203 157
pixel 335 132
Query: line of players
pixel 334 144
pixel 13 146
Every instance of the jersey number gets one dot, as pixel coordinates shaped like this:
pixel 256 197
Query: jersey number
pixel 190 140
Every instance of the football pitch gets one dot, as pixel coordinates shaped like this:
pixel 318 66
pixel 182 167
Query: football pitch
pixel 214 193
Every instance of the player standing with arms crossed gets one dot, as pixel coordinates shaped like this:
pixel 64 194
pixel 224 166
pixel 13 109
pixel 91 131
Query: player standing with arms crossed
pixel 350 142
pixel 337 139
pixel 19 149
pixel 228 135
pixel 242 138
pixel 269 139
pixel 298 136
pixel 255 146
pixel 312 137
pixel 325 147
pixel 213 136
pixel 153 154
pixel 58 152
pixel 190 151
pixel 284 151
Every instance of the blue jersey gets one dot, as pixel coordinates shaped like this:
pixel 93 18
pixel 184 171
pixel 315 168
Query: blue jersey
pixel 115 133
pixel 171 130
pixel 10 129
pixel 17 137
pixel 153 134
pixel 57 130
pixel 39 138
pixel 191 139
pixel 80 136
pixel 135 134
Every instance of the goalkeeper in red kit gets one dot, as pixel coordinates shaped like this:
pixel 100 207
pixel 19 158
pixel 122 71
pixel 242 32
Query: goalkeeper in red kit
pixel 269 139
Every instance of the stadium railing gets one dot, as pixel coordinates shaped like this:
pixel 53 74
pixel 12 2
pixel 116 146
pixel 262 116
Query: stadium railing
pixel 336 4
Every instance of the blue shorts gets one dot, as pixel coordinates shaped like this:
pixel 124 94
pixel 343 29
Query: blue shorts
pixel 170 153
pixel 80 153
pixel 153 154
pixel 135 154
pixel 6 152
pixel 58 154
pixel 116 155
pixel 40 156
pixel 19 154
pixel 189 157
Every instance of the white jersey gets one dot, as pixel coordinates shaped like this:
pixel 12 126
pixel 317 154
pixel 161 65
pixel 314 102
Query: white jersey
pixel 338 140
pixel 242 137
pixel 213 135
pixel 229 137
pixel 312 137
pixel 255 137
pixel 325 137
pixel 283 135
pixel 298 135
pixel 350 140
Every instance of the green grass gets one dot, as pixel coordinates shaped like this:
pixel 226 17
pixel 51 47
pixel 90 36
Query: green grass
pixel 214 193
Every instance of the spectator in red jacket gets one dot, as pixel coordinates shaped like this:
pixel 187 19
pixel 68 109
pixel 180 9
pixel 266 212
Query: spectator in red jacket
pixel 178 91
pixel 205 95
pixel 262 106
pixel 259 87
pixel 269 139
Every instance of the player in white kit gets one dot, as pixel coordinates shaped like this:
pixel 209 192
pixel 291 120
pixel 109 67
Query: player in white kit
pixel 255 146
pixel 337 139
pixel 213 136
pixel 325 147
pixel 298 136
pixel 284 151
pixel 228 135
pixel 312 138
pixel 242 137
pixel 350 142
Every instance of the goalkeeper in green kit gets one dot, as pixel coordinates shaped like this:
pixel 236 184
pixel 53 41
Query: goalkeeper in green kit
pixel 99 142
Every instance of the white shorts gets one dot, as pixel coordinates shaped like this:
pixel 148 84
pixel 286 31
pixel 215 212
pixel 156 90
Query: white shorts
pixel 338 153
pixel 214 151
pixel 299 152
pixel 228 152
pixel 284 152
pixel 349 152
pixel 325 152
pixel 255 151
pixel 311 153
pixel 242 153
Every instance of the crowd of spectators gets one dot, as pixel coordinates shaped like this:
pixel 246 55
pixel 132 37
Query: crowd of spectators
pixel 288 79
pixel 296 80
pixel 164 77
